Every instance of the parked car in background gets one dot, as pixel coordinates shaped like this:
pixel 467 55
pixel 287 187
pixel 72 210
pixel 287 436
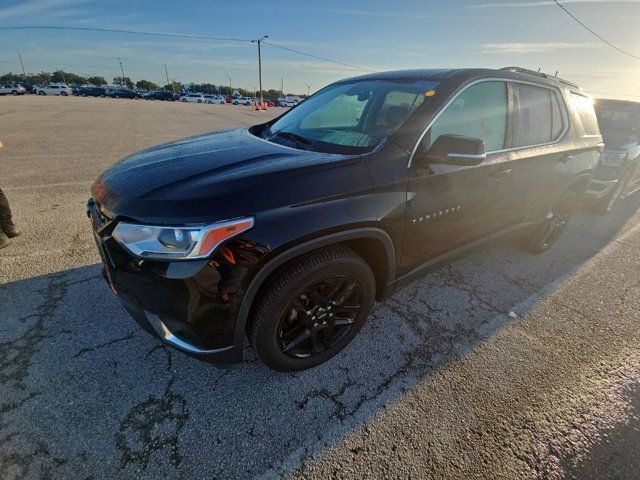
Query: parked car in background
pixel 370 183
pixel 242 101
pixel 123 93
pixel 12 89
pixel 617 174
pixel 91 92
pixel 217 99
pixel 287 103
pixel 62 90
pixel 160 95
pixel 192 98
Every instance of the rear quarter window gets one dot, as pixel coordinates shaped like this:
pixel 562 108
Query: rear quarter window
pixel 586 113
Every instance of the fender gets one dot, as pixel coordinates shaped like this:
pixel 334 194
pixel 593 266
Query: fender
pixel 293 252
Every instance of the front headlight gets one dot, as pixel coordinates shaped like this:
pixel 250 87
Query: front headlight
pixel 177 243
pixel 613 158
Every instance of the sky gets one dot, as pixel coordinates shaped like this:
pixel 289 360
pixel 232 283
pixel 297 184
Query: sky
pixel 370 34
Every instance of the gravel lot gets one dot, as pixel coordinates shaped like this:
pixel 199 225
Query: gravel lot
pixel 504 364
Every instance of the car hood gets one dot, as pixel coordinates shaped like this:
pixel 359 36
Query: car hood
pixel 196 172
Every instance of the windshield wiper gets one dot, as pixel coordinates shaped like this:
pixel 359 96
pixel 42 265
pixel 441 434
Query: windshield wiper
pixel 300 140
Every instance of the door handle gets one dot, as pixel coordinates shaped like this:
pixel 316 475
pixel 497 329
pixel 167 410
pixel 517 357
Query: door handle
pixel 566 158
pixel 501 173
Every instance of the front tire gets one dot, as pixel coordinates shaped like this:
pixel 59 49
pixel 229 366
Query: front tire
pixel 554 224
pixel 63 94
pixel 312 309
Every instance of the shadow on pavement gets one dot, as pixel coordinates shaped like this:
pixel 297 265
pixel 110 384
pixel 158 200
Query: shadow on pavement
pixel 84 392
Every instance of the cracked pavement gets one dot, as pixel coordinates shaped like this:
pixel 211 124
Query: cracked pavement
pixel 501 364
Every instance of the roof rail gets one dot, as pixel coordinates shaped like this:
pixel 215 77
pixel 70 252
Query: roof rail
pixel 540 74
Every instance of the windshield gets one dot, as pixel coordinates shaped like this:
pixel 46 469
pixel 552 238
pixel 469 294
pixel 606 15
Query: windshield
pixel 350 117
pixel 618 119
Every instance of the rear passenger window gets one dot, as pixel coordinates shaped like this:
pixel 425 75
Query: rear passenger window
pixel 584 107
pixel 480 111
pixel 538 118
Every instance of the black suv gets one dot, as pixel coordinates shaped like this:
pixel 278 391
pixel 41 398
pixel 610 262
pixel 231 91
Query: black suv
pixel 287 232
pixel 617 174
pixel 160 95
pixel 123 93
pixel 91 92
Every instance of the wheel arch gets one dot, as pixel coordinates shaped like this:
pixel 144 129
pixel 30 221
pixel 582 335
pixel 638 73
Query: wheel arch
pixel 374 245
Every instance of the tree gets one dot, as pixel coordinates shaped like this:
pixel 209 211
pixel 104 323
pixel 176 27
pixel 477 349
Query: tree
pixel 146 85
pixel 123 82
pixel 69 78
pixel 11 78
pixel 42 78
pixel 97 81
pixel 204 87
pixel 173 86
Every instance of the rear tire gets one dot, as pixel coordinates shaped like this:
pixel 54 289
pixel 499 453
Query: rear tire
pixel 63 94
pixel 548 232
pixel 320 301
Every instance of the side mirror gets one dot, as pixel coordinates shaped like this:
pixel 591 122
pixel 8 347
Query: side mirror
pixel 453 150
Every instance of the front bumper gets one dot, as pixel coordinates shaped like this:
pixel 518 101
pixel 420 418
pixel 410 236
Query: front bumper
pixel 604 181
pixel 190 305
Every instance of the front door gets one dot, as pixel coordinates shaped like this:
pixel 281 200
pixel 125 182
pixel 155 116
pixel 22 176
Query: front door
pixel 450 206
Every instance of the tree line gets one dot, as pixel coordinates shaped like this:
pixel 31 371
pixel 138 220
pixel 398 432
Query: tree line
pixel 69 78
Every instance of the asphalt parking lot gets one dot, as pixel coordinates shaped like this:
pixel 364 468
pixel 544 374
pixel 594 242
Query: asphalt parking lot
pixel 503 364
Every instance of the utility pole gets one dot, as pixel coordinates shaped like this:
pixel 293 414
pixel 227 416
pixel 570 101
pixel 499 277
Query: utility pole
pixel 173 85
pixel 259 42
pixel 308 87
pixel 64 80
pixel 24 74
pixel 122 70
pixel 282 86
pixel 230 87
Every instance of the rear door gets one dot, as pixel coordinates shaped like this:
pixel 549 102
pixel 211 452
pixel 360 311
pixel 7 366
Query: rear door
pixel 536 155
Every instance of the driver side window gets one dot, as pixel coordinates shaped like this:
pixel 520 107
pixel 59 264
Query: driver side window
pixel 480 111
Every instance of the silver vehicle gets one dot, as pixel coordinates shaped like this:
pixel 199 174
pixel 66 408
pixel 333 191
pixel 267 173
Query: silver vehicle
pixel 193 98
pixel 242 101
pixel 12 89
pixel 62 90
pixel 217 99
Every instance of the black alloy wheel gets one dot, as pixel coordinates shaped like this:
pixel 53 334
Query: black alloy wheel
pixel 555 223
pixel 312 309
pixel 319 316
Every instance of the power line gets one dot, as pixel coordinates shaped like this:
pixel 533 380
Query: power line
pixel 195 37
pixel 132 32
pixel 324 59
pixel 594 33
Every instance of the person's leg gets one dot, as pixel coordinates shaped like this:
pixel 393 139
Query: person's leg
pixel 6 221
pixel 5 212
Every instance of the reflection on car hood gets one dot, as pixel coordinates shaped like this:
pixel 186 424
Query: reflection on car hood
pixel 201 167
